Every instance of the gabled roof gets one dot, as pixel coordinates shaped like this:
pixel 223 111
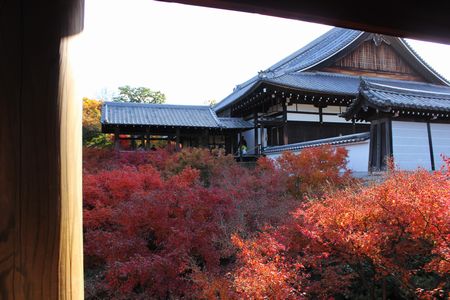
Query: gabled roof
pixel 387 97
pixel 327 47
pixel 138 114
pixel 338 140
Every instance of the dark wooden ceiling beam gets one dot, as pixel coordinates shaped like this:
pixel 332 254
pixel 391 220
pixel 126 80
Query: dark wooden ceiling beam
pixel 423 20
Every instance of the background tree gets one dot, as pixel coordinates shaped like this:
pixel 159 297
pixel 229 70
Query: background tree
pixel 92 129
pixel 211 102
pixel 139 95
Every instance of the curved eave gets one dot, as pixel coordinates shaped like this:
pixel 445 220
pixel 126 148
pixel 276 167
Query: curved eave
pixel 304 90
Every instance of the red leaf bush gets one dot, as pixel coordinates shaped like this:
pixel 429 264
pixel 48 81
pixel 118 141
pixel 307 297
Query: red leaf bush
pixel 196 225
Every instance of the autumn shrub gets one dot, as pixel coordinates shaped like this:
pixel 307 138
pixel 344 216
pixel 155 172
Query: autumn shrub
pixel 264 271
pixel 387 240
pixel 315 171
pixel 196 225
pixel 159 223
pixel 210 164
pixel 146 235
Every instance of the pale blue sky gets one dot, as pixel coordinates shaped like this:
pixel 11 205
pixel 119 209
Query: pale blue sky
pixel 190 53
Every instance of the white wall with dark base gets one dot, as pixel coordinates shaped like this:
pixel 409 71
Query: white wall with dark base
pixel 358 157
pixel 410 145
pixel 440 135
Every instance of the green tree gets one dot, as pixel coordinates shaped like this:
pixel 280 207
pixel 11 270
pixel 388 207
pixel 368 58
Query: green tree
pixel 139 95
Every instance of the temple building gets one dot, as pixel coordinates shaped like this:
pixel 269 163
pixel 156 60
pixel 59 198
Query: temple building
pixel 368 92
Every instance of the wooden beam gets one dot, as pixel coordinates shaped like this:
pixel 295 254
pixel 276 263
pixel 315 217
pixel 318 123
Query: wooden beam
pixel 422 21
pixel 41 251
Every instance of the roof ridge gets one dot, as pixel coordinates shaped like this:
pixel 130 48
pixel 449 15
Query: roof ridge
pixel 155 105
pixel 295 69
pixel 214 115
pixel 401 90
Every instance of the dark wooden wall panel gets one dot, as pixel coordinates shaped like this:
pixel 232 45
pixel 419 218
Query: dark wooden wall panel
pixel 369 59
pixel 309 131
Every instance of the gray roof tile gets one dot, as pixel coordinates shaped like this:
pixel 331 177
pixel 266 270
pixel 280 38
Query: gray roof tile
pixel 288 72
pixel 339 140
pixel 418 97
pixel 118 113
pixel 158 114
pixel 231 123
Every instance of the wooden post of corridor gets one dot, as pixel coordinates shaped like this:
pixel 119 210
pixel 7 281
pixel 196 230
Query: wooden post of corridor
pixel 40 152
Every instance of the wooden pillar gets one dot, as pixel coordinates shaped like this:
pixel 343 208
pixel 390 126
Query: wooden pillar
pixel 285 125
pixel 261 133
pixel 239 146
pixel 256 135
pixel 116 139
pixel 142 141
pixel 147 138
pixel 41 253
pixel 177 140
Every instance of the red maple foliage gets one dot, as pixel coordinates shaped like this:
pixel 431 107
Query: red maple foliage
pixel 316 171
pixel 196 225
pixel 387 240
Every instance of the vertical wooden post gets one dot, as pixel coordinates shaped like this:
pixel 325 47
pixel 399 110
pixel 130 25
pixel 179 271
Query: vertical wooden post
pixel 41 254
pixel 177 140
pixel 256 135
pixel 239 146
pixel 261 133
pixel 116 139
pixel 285 125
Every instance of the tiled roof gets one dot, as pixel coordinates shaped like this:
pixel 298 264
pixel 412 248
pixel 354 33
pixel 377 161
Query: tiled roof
pixel 319 82
pixel 334 83
pixel 231 123
pixel 315 52
pixel 385 97
pixel 118 113
pixel 288 72
pixel 339 140
pixel 327 45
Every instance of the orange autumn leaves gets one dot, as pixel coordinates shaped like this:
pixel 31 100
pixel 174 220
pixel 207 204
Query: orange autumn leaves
pixel 196 225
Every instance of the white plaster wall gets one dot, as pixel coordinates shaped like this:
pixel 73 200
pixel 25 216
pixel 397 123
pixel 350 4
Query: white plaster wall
pixel 440 135
pixel 410 145
pixel 334 119
pixel 249 136
pixel 275 155
pixel 358 156
pixel 302 117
